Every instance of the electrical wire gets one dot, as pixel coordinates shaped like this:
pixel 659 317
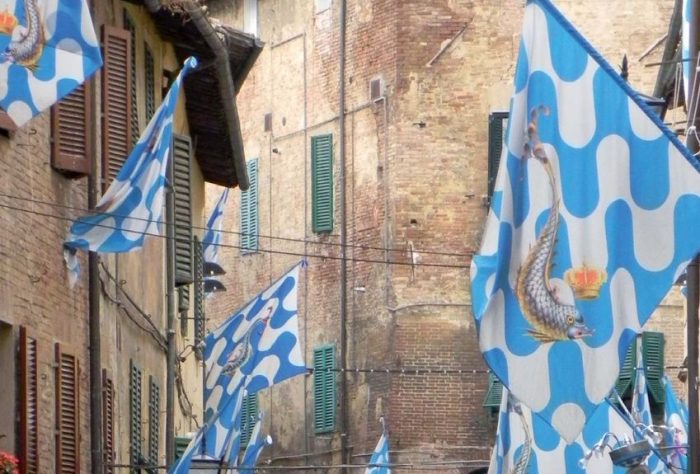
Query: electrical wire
pixel 258 250
pixel 247 234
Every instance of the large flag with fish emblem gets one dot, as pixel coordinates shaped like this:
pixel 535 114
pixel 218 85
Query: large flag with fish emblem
pixel 526 444
pixel 131 207
pixel 48 49
pixel 590 224
pixel 254 349
pixel 379 462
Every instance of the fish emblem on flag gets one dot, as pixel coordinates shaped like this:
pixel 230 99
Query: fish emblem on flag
pixel 47 50
pixel 590 224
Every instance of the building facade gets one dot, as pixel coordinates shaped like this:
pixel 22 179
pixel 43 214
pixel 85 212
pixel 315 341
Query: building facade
pixel 366 128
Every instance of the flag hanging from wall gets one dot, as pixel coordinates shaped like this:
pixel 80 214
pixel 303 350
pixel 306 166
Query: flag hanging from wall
pixel 131 207
pixel 256 444
pixel 590 224
pixel 49 49
pixel 211 243
pixel 676 417
pixel 379 462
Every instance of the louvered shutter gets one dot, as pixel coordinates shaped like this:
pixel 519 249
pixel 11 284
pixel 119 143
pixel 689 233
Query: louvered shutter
pixel 249 210
pixel 134 115
pixel 626 378
pixel 181 162
pixel 198 293
pixel 322 183
pixel 67 413
pixel 493 394
pixel 181 443
pixel 324 389
pixel 107 423
pixel 29 404
pixel 150 81
pixel 653 353
pixel 135 451
pixel 116 101
pixel 183 305
pixel 71 124
pixel 153 420
pixel 497 122
pixel 249 413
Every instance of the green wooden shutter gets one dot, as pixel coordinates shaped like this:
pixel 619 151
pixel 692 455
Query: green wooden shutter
pixel 493 394
pixel 626 378
pixel 322 183
pixel 182 158
pixel 198 294
pixel 249 211
pixel 497 121
pixel 324 389
pixel 134 415
pixel 150 81
pixel 653 353
pixel 181 443
pixel 249 414
pixel 153 420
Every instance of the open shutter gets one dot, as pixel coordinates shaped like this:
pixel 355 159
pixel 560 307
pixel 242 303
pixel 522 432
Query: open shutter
pixel 653 353
pixel 134 115
pixel 324 389
pixel 153 420
pixel 493 394
pixel 116 101
pixel 134 415
pixel 322 183
pixel 71 125
pixel 28 404
pixel 249 210
pixel 67 413
pixel 150 81
pixel 249 414
pixel 625 380
pixel 198 294
pixel 181 162
pixel 107 423
pixel 497 125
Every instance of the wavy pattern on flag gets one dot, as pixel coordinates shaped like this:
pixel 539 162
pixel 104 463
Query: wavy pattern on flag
pixel 676 417
pixel 212 237
pixel 256 444
pixel 520 433
pixel 49 50
pixel 379 462
pixel 132 205
pixel 629 194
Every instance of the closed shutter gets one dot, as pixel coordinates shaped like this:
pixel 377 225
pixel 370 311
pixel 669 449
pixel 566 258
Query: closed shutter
pixel 198 294
pixel 322 183
pixel 249 415
pixel 183 305
pixel 153 420
pixel 67 413
pixel 71 124
pixel 497 125
pixel 29 404
pixel 653 353
pixel 135 452
pixel 249 210
pixel 107 422
pixel 181 162
pixel 150 81
pixel 116 101
pixel 181 443
pixel 493 394
pixel 626 378
pixel 324 389
pixel 134 115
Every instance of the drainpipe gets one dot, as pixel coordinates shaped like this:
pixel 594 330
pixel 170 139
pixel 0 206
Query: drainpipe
pixel 344 434
pixel 227 89
pixel 170 334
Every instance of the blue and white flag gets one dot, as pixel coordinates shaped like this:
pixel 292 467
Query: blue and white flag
pixel 379 462
pixel 182 466
pixel 526 444
pixel 212 238
pixel 641 410
pixel 676 418
pixel 590 224
pixel 48 49
pixel 132 205
pixel 688 63
pixel 255 446
pixel 254 349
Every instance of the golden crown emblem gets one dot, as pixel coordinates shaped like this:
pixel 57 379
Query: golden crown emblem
pixel 7 22
pixel 585 281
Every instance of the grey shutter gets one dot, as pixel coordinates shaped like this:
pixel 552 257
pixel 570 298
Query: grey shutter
pixel 497 123
pixel 182 158
pixel 249 210
pixel 198 293
pixel 150 81
pixel 322 183
pixel 135 451
pixel 153 420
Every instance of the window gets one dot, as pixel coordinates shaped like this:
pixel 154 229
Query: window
pixel 181 169
pixel 67 413
pixel 322 183
pixel 249 211
pixel 134 116
pixel 28 404
pixel 249 416
pixel 71 124
pixel 497 128
pixel 250 17
pixel 108 454
pixel 153 420
pixel 324 389
pixel 150 82
pixel 116 101
pixel 135 452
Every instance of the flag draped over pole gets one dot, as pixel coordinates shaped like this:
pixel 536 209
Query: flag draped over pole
pixel 591 222
pixel 255 446
pixel 132 206
pixel 49 49
pixel 379 462
pixel 676 417
pixel 641 411
pixel 255 348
